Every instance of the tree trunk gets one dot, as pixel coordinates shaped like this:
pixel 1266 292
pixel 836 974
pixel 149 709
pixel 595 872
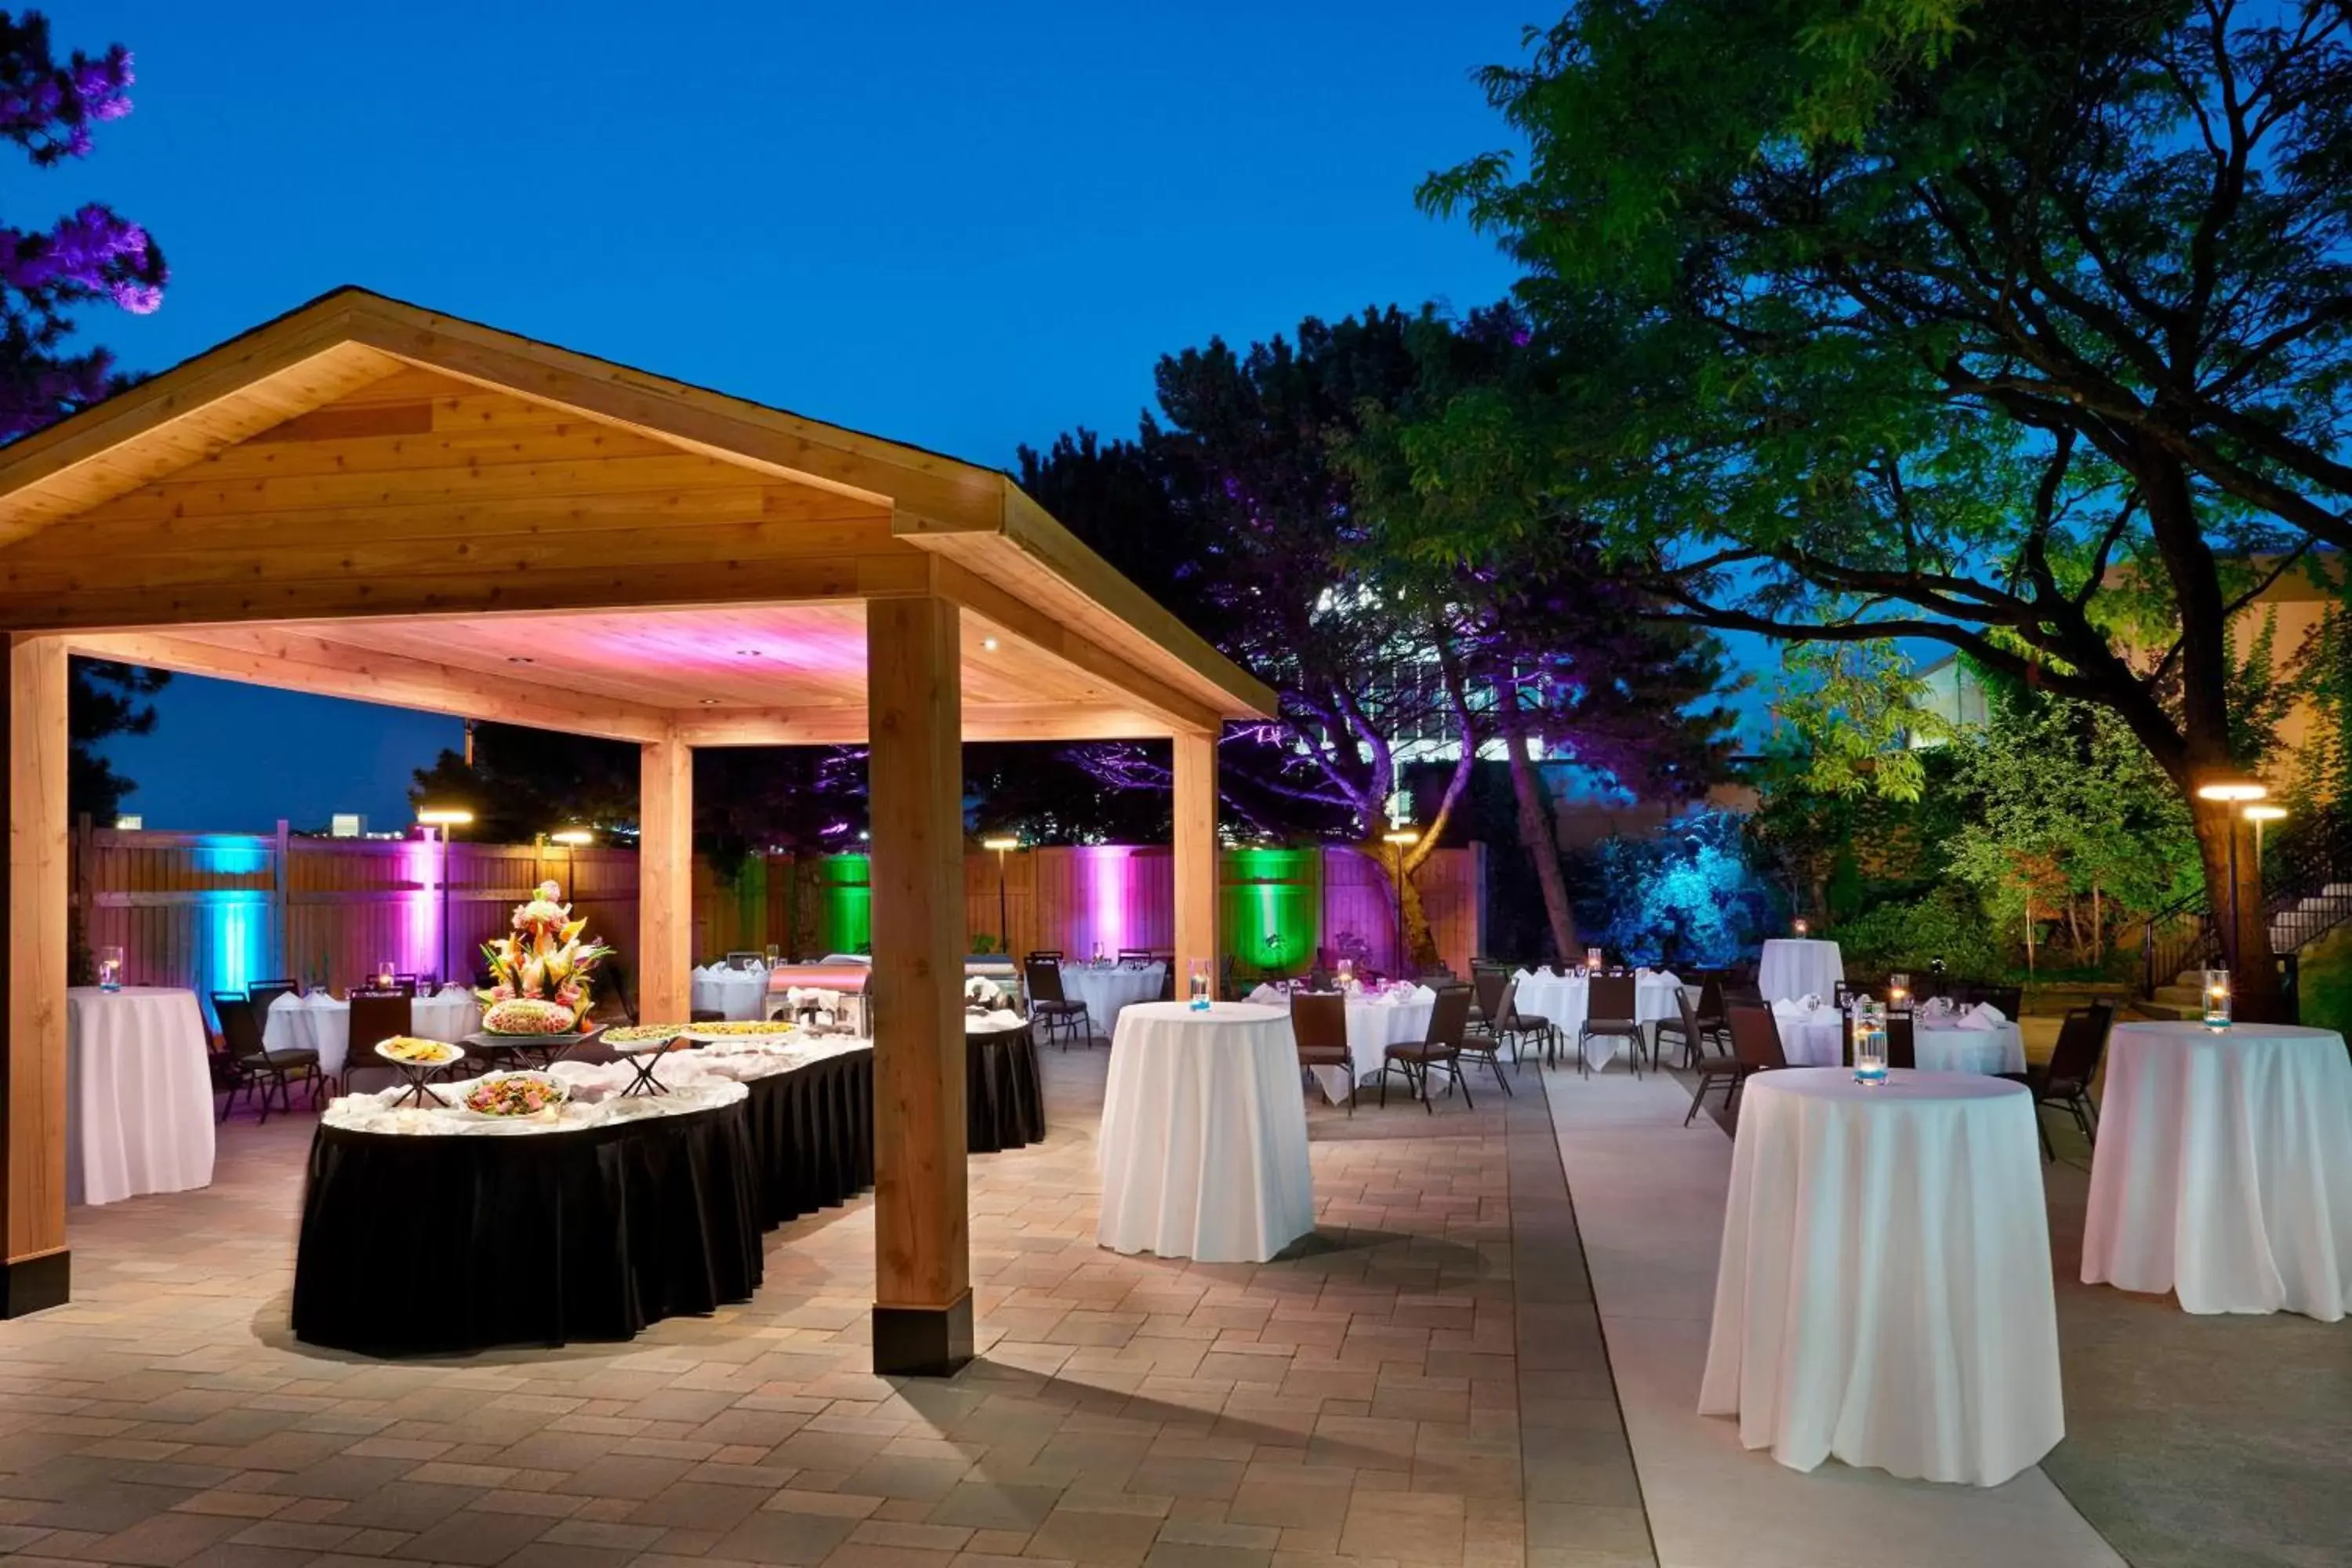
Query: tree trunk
pixel 2254 969
pixel 2099 929
pixel 1536 835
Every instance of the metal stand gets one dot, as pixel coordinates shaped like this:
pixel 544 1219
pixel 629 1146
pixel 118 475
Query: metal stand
pixel 417 1092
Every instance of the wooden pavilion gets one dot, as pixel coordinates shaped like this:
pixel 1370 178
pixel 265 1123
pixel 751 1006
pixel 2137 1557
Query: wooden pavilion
pixel 371 501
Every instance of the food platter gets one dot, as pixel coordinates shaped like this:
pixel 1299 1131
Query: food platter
pixel 411 1050
pixel 515 1097
pixel 743 1032
pixel 634 1038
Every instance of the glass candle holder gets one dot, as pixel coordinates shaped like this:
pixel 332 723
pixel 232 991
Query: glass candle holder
pixel 1798 926
pixel 1593 958
pixel 384 970
pixel 1898 993
pixel 1199 1003
pixel 1346 969
pixel 2217 998
pixel 1869 1043
pixel 775 955
pixel 1096 961
pixel 110 969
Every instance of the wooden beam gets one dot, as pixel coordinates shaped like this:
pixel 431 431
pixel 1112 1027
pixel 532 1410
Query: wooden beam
pixel 664 882
pixel 1024 619
pixel 297 660
pixel 33 1126
pixel 101 601
pixel 815 726
pixel 922 1264
pixel 1196 853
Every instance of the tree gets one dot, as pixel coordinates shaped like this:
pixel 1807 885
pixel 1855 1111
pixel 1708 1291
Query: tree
pixel 48 108
pixel 1944 319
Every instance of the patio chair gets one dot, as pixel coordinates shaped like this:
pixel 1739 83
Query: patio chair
pixel 1135 955
pixel 1517 1026
pixel 1902 1044
pixel 745 959
pixel 2009 999
pixel 1449 1019
pixel 376 1015
pixel 1698 1028
pixel 1048 1006
pixel 1709 1065
pixel 264 994
pixel 1488 984
pixel 1755 1041
pixel 1319 1022
pixel 1486 1046
pixel 1048 955
pixel 406 985
pixel 1609 1010
pixel 2065 1080
pixel 273 1072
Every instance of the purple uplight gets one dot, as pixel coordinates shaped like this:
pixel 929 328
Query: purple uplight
pixel 1107 876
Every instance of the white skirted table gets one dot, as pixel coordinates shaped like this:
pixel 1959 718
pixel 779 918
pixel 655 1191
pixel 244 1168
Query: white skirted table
pixel 322 1022
pixel 1563 1000
pixel 1203 1142
pixel 139 1094
pixel 1816 1038
pixel 1798 966
pixel 1884 1294
pixel 2224 1168
pixel 1112 989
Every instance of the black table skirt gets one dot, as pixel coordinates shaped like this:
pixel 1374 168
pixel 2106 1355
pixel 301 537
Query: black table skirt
pixel 415 1245
pixel 1005 1107
pixel 812 1134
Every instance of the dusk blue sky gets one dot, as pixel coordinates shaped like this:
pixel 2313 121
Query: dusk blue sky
pixel 965 226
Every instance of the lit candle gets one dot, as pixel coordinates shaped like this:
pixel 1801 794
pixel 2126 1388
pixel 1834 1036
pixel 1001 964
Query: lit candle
pixel 2217 998
pixel 1798 925
pixel 1897 998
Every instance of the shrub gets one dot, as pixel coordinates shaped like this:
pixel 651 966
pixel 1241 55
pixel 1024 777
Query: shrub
pixel 1946 923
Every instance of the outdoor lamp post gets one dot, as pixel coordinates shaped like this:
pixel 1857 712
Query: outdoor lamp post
pixel 572 839
pixel 2232 792
pixel 1400 839
pixel 1004 918
pixel 444 817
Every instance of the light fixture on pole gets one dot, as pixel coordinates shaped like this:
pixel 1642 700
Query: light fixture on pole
pixel 572 839
pixel 1004 918
pixel 1400 839
pixel 444 817
pixel 2231 790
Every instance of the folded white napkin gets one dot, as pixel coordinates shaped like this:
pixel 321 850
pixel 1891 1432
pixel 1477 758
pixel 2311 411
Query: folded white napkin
pixel 1424 994
pixel 1266 996
pixel 992 1023
pixel 1664 976
pixel 1984 1015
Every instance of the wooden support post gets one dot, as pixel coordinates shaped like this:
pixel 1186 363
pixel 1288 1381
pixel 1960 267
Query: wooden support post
pixel 281 898
pixel 1196 856
pixel 922 1263
pixel 665 882
pixel 34 1271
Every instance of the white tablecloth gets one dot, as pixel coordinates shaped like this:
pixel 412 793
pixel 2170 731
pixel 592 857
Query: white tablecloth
pixel 1373 1025
pixel 1884 1294
pixel 139 1094
pixel 1109 991
pixel 1203 1142
pixel 319 1022
pixel 738 996
pixel 2224 1168
pixel 1817 1039
pixel 1563 1000
pixel 1797 967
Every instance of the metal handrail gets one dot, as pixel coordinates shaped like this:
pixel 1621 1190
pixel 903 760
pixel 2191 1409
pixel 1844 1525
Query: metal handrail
pixel 2300 869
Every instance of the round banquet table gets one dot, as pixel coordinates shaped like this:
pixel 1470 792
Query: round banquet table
pixel 139 1094
pixel 1111 991
pixel 1374 1023
pixel 439 1243
pixel 1203 1141
pixel 320 1023
pixel 1938 1045
pixel 1563 1000
pixel 738 996
pixel 2224 1168
pixel 1884 1294
pixel 1796 966
pixel 1004 1105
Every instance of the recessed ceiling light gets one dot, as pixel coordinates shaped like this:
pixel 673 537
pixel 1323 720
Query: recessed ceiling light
pixel 710 703
pixel 989 644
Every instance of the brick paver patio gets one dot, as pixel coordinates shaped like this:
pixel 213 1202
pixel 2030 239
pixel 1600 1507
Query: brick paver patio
pixel 1422 1382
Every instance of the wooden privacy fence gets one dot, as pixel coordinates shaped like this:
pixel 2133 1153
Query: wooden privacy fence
pixel 219 911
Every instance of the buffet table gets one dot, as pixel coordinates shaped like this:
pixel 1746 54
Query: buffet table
pixel 2224 1168
pixel 1203 1143
pixel 1884 1293
pixel 421 1238
pixel 321 1023
pixel 1796 966
pixel 1003 1102
pixel 139 1094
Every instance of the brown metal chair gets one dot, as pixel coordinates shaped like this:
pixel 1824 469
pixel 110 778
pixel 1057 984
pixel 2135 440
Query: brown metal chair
pixel 254 1064
pixel 263 994
pixel 1709 1066
pixel 1318 1021
pixel 1482 1045
pixel 1755 1041
pixel 2065 1080
pixel 1902 1044
pixel 376 1015
pixel 1609 1008
pixel 1449 1020
pixel 1048 1006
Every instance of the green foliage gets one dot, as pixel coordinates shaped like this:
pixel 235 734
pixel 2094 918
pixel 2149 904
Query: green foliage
pixel 1909 934
pixel 1856 708
pixel 2070 830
